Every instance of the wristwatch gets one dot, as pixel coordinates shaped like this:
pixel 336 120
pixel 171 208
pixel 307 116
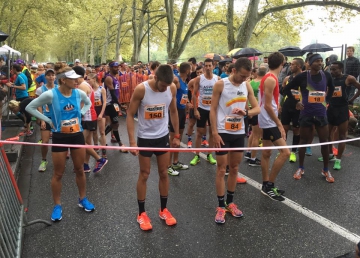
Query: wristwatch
pixel 177 136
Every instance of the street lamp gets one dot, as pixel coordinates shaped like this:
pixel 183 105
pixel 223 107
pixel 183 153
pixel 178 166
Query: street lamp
pixel 148 29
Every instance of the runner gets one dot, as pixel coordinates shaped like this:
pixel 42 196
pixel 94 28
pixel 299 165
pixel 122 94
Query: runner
pixel 338 109
pixel 289 113
pixel 227 111
pixel 20 84
pixel 204 85
pixel 314 86
pixel 65 108
pixel 112 110
pixel 89 124
pixel 18 108
pixel 152 101
pixel 182 102
pixel 273 131
pixel 45 128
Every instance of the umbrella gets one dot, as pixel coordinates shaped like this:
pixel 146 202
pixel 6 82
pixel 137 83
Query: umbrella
pixel 213 56
pixel 291 51
pixel 252 58
pixel 225 59
pixel 233 51
pixel 3 36
pixel 317 47
pixel 247 52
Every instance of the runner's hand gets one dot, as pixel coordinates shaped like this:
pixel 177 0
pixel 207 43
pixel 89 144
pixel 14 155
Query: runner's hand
pixel 99 117
pixel 134 152
pixel 218 141
pixel 197 114
pixel 299 106
pixel 189 105
pixel 43 125
pixel 239 111
pixel 176 143
pixel 282 131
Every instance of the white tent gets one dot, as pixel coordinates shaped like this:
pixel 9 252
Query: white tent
pixel 5 50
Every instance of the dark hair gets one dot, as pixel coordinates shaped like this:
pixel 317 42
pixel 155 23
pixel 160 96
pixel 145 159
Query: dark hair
pixel 198 67
pixel 243 62
pixel 339 64
pixel 231 66
pixel 2 58
pixel 164 73
pixel 208 60
pixel 299 61
pixel 184 66
pixel 79 70
pixel 254 70
pixel 154 65
pixel 192 60
pixel 275 60
pixel 17 67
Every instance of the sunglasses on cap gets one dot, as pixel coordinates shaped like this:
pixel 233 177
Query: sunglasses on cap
pixel 114 64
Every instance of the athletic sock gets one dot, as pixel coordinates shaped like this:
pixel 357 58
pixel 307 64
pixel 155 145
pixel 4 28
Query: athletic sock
pixel 221 200
pixel 141 204
pixel 326 169
pixel 296 140
pixel 107 129
pixel 265 183
pixel 270 185
pixel 163 202
pixel 189 138
pixel 117 136
pixel 229 197
pixel 204 137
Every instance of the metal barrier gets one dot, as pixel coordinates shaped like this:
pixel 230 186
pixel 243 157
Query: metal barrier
pixel 12 216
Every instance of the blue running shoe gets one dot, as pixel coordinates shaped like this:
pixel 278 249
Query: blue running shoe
pixel 86 205
pixel 100 165
pixel 308 151
pixel 57 213
pixel 86 168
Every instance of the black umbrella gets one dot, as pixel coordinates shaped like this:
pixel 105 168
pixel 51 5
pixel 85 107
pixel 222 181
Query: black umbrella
pixel 317 47
pixel 225 59
pixel 247 52
pixel 3 36
pixel 291 51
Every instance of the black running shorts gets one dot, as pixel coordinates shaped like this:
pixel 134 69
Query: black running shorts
pixel 204 117
pixel 271 134
pixel 231 141
pixel 337 115
pixel 67 138
pixel 162 142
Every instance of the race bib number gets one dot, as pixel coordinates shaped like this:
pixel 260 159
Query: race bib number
pixel 70 126
pixel 337 92
pixel 233 123
pixel 206 100
pixel 97 102
pixel 124 84
pixel 184 99
pixel 117 108
pixel 154 111
pixel 316 96
pixel 296 94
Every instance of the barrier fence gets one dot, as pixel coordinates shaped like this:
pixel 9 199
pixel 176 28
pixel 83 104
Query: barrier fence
pixel 12 216
pixel 128 83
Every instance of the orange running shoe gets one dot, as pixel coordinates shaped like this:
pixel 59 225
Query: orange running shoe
pixel 240 180
pixel 189 144
pixel 233 209
pixel 220 215
pixel 144 221
pixel 328 176
pixel 299 173
pixel 205 143
pixel 335 151
pixel 166 215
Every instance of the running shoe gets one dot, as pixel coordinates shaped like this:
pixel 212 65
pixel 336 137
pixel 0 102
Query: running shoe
pixel 122 150
pixel 40 141
pixel 29 133
pixel 328 176
pixel 144 221
pixel 272 193
pixel 205 143
pixel 255 163
pixel 335 151
pixel 247 155
pixel 299 172
pixel 86 168
pixel 195 160
pixel 220 215
pixel 331 158
pixel 86 205
pixel 42 166
pixel 337 165
pixel 240 180
pixel 113 140
pixel 189 144
pixel 172 172
pixel 56 215
pixel 227 171
pixel 292 158
pixel 180 165
pixel 281 192
pixel 308 151
pixel 211 159
pixel 100 165
pixel 233 209
pixel 166 215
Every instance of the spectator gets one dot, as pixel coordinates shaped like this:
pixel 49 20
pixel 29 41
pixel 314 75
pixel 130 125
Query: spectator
pixel 352 67
pixel 20 83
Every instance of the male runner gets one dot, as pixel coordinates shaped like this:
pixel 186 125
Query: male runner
pixel 273 131
pixel 227 111
pixel 316 89
pixel 152 101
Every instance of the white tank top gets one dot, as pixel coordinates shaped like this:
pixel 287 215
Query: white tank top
pixel 98 97
pixel 153 113
pixel 205 91
pixel 230 98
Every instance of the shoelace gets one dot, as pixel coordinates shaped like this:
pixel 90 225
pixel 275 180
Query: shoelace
pixel 220 213
pixel 275 190
pixel 298 172
pixel 328 174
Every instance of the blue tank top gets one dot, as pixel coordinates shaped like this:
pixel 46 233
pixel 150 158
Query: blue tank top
pixel 65 112
pixel 181 94
pixel 45 108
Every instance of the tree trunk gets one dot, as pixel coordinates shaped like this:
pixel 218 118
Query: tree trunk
pixel 230 25
pixel 92 61
pixel 86 49
pixel 106 40
pixel 138 22
pixel 118 34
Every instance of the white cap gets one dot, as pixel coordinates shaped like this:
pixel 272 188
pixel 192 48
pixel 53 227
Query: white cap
pixel 77 60
pixel 70 75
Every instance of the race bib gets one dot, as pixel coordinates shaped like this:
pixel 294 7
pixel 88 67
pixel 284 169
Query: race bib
pixel 206 100
pixel 316 96
pixel 184 99
pixel 97 102
pixel 154 111
pixel 124 84
pixel 117 108
pixel 296 94
pixel 233 123
pixel 70 126
pixel 337 92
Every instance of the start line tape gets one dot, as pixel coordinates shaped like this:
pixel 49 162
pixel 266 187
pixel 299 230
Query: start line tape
pixel 175 149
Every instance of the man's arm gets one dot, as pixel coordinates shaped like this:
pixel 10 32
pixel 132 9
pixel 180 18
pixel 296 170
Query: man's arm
pixel 174 117
pixel 135 101
pixel 176 82
pixel 351 81
pixel 217 90
pixel 194 98
pixel 331 87
pixel 109 84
